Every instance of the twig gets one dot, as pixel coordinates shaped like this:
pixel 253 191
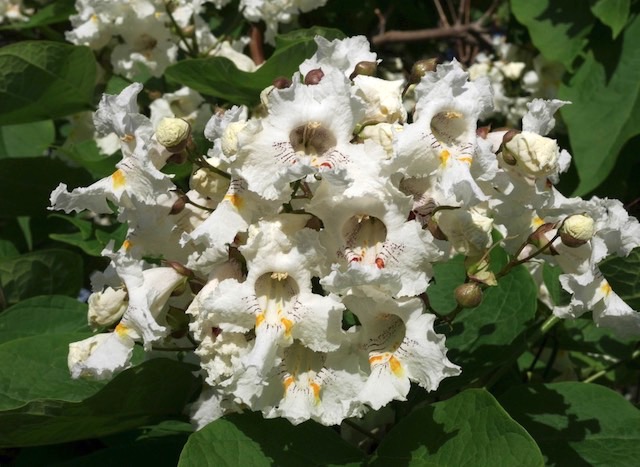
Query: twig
pixel 443 18
pixel 601 373
pixel 463 30
pixel 255 44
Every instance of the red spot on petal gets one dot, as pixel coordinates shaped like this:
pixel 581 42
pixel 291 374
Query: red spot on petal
pixel 327 165
pixel 357 259
pixel 380 263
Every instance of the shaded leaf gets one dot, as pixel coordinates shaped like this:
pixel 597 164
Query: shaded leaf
pixel 248 439
pixel 41 80
pixel 27 139
pixel 613 13
pixel 554 22
pixel 91 238
pixel 50 314
pixel 43 272
pixel 139 396
pixel 605 92
pixel 31 181
pixel 622 274
pixel 471 428
pixel 577 423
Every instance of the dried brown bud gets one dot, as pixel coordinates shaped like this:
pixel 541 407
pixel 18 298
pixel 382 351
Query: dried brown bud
pixel 314 76
pixel 365 69
pixel 468 295
pixel 507 156
pixel 281 82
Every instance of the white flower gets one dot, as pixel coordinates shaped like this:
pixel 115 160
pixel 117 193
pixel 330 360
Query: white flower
pixel 400 345
pixel 343 54
pixel 535 156
pixel 106 307
pixel 102 355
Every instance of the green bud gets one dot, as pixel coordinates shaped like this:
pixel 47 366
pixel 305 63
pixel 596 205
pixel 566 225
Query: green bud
pixel 365 69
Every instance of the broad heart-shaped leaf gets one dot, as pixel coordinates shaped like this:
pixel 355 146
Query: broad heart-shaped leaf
pixel 91 238
pixel 484 337
pixel 558 28
pixel 31 181
pixel 27 139
pixel 47 314
pixel 622 274
pixel 248 439
pixel 219 77
pixel 605 92
pixel 613 13
pixel 41 80
pixel 42 272
pixel 577 423
pixel 148 393
pixel 34 368
pixel 469 429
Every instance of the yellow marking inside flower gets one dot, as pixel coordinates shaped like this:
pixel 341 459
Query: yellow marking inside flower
pixel 234 199
pixel 466 159
pixel 451 115
pixel 315 387
pixel 94 18
pixel 396 366
pixel 288 381
pixel 118 179
pixel 121 329
pixel 537 222
pixel 127 245
pixel 128 138
pixel 605 288
pixel 259 319
pixel 288 324
pixel 444 156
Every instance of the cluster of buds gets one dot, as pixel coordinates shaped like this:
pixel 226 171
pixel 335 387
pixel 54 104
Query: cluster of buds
pixel 308 236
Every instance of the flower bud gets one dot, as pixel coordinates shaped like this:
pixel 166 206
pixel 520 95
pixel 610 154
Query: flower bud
pixel 539 237
pixel 364 68
pixel 421 68
pixel 173 134
pixel 281 82
pixel 534 155
pixel 179 205
pixel 314 76
pixel 106 307
pixel 468 295
pixel 507 156
pixel 577 230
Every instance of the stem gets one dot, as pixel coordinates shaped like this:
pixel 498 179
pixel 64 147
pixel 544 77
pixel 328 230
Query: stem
pixel 361 430
pixel 601 373
pixel 198 205
pixel 190 50
pixel 255 44
pixel 513 263
pixel 203 163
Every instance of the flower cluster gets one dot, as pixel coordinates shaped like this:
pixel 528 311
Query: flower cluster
pixel 144 36
pixel 297 261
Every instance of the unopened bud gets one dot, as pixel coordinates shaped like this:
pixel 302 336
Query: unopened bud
pixel 434 228
pixel 365 69
pixel 179 205
pixel 421 68
pixel 173 134
pixel 468 295
pixel 577 230
pixel 507 156
pixel 539 237
pixel 314 76
pixel 281 82
pixel 180 269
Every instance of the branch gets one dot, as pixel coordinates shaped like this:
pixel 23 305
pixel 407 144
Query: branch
pixel 255 44
pixel 461 30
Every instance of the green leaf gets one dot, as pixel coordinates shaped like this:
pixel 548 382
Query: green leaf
pixel 484 337
pixel 448 276
pixel 31 181
pixel 34 368
pixel 47 314
pixel 219 77
pixel 43 272
pixel 577 423
pixel 558 28
pixel 141 395
pixel 27 139
pixel 248 439
pixel 622 274
pixel 56 12
pixel 613 13
pixel 87 155
pixel 41 80
pixel 551 278
pixel 91 238
pixel 7 248
pixel 605 92
pixel 469 429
